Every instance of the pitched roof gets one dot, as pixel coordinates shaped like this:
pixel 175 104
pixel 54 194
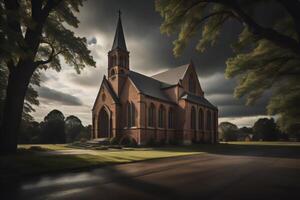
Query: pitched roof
pixel 119 40
pixel 107 85
pixel 110 90
pixel 199 100
pixel 172 76
pixel 148 86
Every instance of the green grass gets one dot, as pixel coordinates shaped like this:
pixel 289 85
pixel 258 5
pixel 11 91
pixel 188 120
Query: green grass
pixel 29 162
pixel 48 147
pixel 263 143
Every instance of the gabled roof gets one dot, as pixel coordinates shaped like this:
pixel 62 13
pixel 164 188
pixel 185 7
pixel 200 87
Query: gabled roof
pixel 199 100
pixel 172 76
pixel 148 86
pixel 119 40
pixel 107 85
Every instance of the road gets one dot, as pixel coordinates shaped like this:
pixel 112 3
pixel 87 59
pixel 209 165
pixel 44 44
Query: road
pixel 203 176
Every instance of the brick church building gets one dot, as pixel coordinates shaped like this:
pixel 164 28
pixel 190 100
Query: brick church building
pixel 169 106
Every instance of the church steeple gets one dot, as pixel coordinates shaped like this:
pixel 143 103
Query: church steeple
pixel 119 41
pixel 118 56
pixel 118 59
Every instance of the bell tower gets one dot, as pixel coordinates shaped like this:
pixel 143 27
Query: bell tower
pixel 118 59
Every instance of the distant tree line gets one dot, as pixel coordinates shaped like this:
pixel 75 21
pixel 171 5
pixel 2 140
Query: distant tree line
pixel 54 129
pixel 264 129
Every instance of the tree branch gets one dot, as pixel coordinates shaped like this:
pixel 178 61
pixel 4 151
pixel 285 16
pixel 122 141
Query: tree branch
pixel 51 56
pixel 264 33
pixel 50 5
pixel 261 32
pixel 293 8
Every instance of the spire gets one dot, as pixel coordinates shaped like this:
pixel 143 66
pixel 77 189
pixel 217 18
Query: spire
pixel 119 41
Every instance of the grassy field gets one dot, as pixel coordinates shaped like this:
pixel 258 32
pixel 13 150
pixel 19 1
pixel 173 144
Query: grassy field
pixel 44 159
pixel 275 143
pixel 29 162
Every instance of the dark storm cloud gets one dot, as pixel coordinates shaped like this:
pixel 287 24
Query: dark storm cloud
pixel 151 51
pixel 141 23
pixel 229 106
pixel 241 111
pixel 57 96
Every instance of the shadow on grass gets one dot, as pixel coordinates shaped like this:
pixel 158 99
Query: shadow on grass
pixel 282 151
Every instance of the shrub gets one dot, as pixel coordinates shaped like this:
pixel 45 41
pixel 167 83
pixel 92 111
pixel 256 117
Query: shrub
pixel 128 141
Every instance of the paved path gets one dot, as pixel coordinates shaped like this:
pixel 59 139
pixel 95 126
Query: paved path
pixel 203 176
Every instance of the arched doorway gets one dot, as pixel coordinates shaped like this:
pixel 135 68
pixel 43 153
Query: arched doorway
pixel 103 124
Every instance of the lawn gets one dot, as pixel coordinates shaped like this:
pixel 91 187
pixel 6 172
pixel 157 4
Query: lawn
pixel 28 162
pixel 45 160
pixel 273 143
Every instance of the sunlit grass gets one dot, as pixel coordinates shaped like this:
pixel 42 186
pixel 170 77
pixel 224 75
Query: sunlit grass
pixel 45 146
pixel 263 143
pixel 31 162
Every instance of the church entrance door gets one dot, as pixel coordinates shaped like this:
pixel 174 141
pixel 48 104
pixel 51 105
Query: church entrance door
pixel 104 124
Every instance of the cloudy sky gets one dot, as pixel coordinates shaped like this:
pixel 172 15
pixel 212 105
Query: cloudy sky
pixel 150 53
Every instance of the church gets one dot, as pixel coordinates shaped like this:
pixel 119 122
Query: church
pixel 168 107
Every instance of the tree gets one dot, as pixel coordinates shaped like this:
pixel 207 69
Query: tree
pixel 30 132
pixel 73 128
pixel 53 128
pixel 228 131
pixel 30 98
pixel 265 129
pixel 33 34
pixel 293 132
pixel 266 57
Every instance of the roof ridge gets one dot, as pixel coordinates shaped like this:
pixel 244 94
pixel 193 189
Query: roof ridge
pixel 185 65
pixel 150 77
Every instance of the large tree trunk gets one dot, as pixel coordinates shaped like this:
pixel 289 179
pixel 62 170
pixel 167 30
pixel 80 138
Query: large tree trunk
pixel 18 81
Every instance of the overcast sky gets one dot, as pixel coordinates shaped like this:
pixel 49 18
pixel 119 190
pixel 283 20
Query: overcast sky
pixel 150 53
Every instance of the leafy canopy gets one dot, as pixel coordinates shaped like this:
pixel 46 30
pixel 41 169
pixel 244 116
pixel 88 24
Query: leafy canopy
pixel 39 32
pixel 266 58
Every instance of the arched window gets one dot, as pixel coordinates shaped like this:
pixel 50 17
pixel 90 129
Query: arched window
pixel 170 118
pixel 151 114
pixel 192 85
pixel 200 119
pixel 130 114
pixel 193 118
pixel 208 120
pixel 113 72
pixel 124 61
pixel 114 62
pixel 161 117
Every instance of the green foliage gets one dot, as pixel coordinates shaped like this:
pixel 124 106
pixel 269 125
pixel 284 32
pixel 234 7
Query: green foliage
pixel 266 58
pixel 53 128
pixel 128 141
pixel 73 128
pixel 265 129
pixel 22 39
pixel 30 133
pixel 228 131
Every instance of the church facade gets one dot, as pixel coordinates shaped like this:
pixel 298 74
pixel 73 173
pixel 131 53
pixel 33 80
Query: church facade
pixel 168 107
